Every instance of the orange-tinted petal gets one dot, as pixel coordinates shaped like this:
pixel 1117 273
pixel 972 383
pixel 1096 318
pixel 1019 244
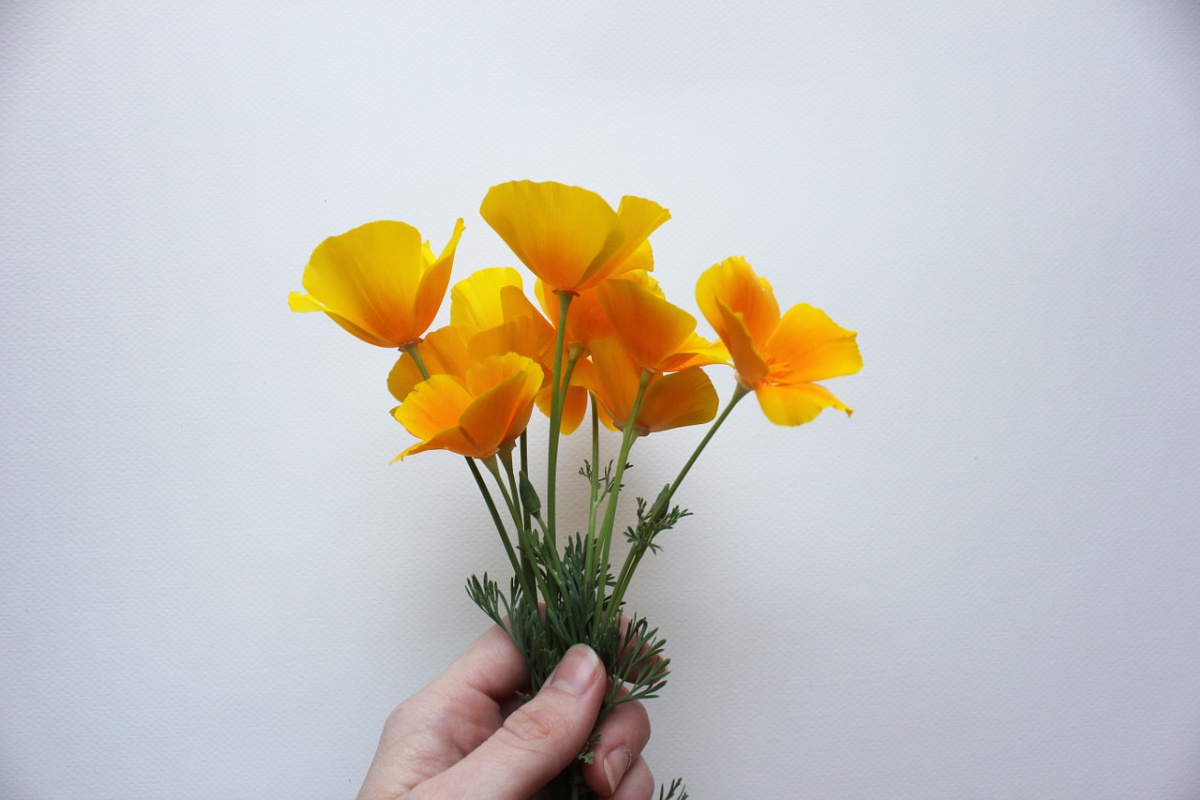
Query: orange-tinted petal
pixel 696 351
pixel 376 282
pixel 639 218
pixel 443 352
pixel 455 439
pixel 434 281
pixel 651 328
pixel 505 387
pixel 809 346
pixel 574 408
pixel 796 404
pixel 734 283
pixel 519 335
pixel 614 378
pixel 749 364
pixel 560 232
pixel 678 399
pixel 433 406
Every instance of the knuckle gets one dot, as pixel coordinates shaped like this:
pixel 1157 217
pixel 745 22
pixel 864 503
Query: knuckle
pixel 534 728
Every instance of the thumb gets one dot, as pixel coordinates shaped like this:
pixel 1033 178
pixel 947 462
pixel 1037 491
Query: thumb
pixel 537 741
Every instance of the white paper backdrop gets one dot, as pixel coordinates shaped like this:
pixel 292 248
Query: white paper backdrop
pixel 984 585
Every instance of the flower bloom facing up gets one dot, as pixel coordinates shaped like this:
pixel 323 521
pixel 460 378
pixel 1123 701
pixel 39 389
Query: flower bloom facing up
pixel 569 237
pixel 778 357
pixel 475 415
pixel 378 281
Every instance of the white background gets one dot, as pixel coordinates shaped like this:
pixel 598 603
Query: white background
pixel 984 585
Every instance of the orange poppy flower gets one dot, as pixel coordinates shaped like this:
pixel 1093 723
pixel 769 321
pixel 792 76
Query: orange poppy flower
pixel 567 236
pixel 670 401
pixel 378 281
pixel 473 416
pixel 778 357
pixel 658 335
pixel 490 315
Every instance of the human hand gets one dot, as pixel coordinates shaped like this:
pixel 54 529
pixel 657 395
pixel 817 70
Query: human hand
pixel 467 735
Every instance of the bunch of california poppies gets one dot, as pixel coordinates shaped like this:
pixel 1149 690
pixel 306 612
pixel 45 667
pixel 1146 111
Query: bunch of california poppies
pixel 600 342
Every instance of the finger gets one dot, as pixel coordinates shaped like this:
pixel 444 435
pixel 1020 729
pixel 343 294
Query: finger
pixel 492 666
pixel 623 732
pixel 536 742
pixel 638 783
pixel 454 714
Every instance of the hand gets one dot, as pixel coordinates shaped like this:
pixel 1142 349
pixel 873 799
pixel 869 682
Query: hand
pixel 467 735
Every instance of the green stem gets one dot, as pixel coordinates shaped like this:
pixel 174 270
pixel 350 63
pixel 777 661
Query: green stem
pixel 487 498
pixel 550 591
pixel 634 556
pixel 739 392
pixel 525 517
pixel 589 569
pixel 610 513
pixel 556 392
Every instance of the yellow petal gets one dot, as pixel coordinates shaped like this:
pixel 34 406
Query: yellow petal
pixel 749 364
pixel 574 407
pixel 650 328
pixel 374 282
pixel 434 281
pixel 696 351
pixel 796 403
pixel 614 378
pixel 586 320
pixel 520 335
pixel 678 399
pixel 475 303
pixel 558 231
pixel 734 283
pixel 808 346
pixel 433 406
pixel 639 218
pixel 443 352
pixel 455 439
pixel 499 413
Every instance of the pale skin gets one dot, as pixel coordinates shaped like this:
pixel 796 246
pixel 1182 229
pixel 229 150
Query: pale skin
pixel 467 734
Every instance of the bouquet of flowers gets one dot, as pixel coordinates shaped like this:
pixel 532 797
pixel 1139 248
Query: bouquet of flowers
pixel 600 344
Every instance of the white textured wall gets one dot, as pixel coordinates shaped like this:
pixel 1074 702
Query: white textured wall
pixel 984 585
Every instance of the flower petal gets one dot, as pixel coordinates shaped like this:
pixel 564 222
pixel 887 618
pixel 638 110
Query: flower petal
pixel 749 364
pixel 368 280
pixel 639 218
pixel 614 378
pixel 455 439
pixel 560 232
pixel 433 284
pixel 443 352
pixel 433 406
pixel 475 302
pixel 797 403
pixel 678 399
pixel 809 346
pixel 651 328
pixel 734 283
pixel 501 411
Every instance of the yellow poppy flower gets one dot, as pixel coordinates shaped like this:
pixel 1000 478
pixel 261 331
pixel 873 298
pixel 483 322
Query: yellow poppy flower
pixel 378 281
pixel 491 309
pixel 658 335
pixel 443 352
pixel 567 236
pixel 586 320
pixel 778 357
pixel 474 416
pixel 670 401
